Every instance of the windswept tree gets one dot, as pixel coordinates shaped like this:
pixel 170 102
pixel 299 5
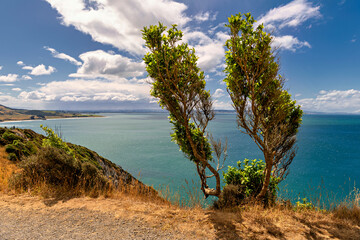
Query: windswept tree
pixel 180 87
pixel 264 109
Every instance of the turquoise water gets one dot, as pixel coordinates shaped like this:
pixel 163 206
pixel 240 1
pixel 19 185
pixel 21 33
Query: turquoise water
pixel 328 148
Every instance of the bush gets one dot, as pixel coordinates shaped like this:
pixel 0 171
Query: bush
pixel 304 204
pixel 12 157
pixel 53 140
pixel 19 149
pixel 249 179
pixel 51 165
pixel 10 137
pixel 60 172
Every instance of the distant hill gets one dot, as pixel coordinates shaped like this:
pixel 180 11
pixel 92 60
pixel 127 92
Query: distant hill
pixel 11 114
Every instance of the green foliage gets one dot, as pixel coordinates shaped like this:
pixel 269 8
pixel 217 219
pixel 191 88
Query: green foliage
pixel 85 155
pixel 18 149
pixel 31 147
pixel 304 204
pixel 180 138
pixel 179 85
pixel 11 148
pixel 12 157
pixel 9 137
pixel 249 176
pixel 53 140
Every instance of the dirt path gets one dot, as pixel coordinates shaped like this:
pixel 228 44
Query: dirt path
pixel 28 218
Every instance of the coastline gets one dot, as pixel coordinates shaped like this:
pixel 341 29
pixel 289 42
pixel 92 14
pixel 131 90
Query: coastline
pixel 50 118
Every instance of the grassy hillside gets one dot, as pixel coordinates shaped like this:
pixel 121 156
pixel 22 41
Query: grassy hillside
pixel 32 162
pixel 10 114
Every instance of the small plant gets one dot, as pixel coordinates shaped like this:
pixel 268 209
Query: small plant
pixel 245 182
pixel 250 175
pixel 53 140
pixel 304 204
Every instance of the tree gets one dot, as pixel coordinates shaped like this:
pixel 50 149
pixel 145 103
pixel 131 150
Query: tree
pixel 264 109
pixel 180 87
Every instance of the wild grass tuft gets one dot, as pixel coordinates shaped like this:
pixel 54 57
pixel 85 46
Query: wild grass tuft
pixel 349 209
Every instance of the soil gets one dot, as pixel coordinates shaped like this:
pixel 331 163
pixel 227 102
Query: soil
pixel 30 218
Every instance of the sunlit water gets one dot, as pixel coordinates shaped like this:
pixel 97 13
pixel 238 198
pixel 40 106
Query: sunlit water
pixel 328 149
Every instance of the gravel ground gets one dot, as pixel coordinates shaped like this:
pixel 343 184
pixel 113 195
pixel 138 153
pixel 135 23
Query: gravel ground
pixel 17 223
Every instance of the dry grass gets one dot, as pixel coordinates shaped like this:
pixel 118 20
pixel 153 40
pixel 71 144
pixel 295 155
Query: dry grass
pixel 7 168
pixel 249 222
pixel 349 209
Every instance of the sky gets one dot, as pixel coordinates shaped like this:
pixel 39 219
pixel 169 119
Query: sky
pixel 87 54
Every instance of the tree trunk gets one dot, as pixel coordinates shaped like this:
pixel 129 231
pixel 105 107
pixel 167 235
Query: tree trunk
pixel 207 191
pixel 267 175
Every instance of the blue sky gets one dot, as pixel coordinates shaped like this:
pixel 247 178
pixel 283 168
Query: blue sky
pixel 87 54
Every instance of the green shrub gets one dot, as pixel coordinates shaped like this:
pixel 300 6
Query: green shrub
pixel 14 151
pixel 249 177
pixel 31 147
pixel 53 140
pixel 10 148
pixel 10 137
pixel 12 157
pixel 304 204
pixel 60 172
pixel 20 149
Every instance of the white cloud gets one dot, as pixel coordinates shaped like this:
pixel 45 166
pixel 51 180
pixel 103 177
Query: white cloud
pixel 333 101
pixel 218 93
pixel 80 90
pixel 1 67
pixel 222 105
pixel 14 102
pixel 209 50
pixel 40 70
pixel 26 77
pixel 292 14
pixel 108 65
pixel 289 42
pixel 205 16
pixel 16 89
pixel 9 78
pixel 213 29
pixel 63 56
pixel 20 63
pixel 119 23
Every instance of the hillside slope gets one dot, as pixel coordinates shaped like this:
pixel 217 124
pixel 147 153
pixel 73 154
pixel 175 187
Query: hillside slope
pixel 10 114
pixel 24 153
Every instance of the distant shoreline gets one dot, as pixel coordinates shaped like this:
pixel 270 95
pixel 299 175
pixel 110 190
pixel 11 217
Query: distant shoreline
pixel 49 118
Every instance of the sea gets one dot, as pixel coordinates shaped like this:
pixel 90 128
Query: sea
pixel 326 168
